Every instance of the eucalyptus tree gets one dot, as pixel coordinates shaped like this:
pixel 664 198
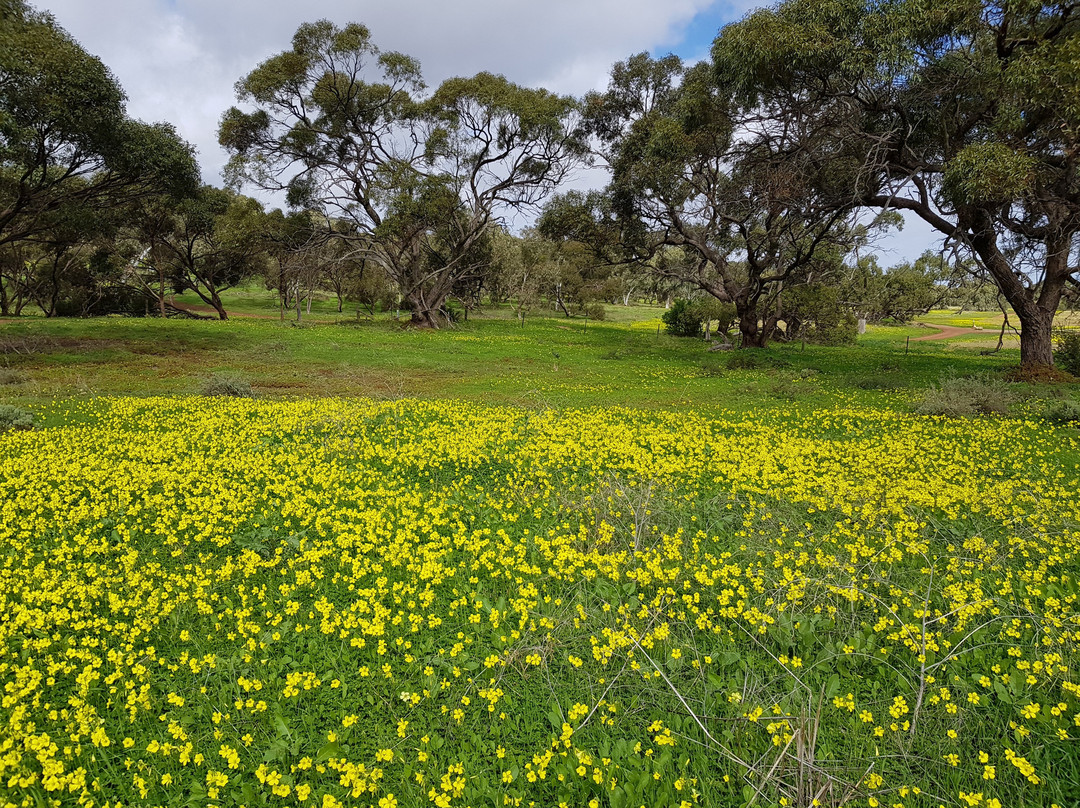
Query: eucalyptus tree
pixel 342 127
pixel 206 244
pixel 66 141
pixel 751 208
pixel 966 114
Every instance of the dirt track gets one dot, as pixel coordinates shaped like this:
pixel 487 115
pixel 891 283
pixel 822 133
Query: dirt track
pixel 948 332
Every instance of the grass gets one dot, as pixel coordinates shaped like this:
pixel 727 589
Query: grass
pixel 546 565
pixel 550 360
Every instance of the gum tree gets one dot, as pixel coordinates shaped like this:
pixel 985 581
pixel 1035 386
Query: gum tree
pixel 344 128
pixel 966 114
pixel 65 139
pixel 749 209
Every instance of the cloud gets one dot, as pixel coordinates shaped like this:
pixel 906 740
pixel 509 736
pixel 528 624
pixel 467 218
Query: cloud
pixel 179 59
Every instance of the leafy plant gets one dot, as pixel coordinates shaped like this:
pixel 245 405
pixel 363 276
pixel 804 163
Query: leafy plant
pixel 1067 351
pixel 681 320
pixel 1062 412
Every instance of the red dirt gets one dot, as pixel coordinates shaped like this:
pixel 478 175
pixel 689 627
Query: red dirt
pixel 948 332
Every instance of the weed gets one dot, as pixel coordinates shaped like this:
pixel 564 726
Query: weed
pixel 1062 412
pixel 1067 351
pixel 10 376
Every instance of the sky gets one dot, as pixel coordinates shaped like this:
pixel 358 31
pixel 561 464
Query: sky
pixel 178 60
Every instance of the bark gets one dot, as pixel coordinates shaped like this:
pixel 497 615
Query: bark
pixel 424 318
pixel 1034 308
pixel 753 334
pixel 215 301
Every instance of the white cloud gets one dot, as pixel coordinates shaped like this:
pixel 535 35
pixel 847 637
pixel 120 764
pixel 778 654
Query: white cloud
pixel 179 59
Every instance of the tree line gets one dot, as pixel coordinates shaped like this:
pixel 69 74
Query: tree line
pixel 758 179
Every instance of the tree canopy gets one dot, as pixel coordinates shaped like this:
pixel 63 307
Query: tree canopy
pixel 65 138
pixel 966 114
pixel 347 129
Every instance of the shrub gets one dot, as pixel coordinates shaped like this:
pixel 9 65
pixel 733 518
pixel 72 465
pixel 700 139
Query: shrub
pixel 687 318
pixel 681 320
pixel 221 385
pixel 595 311
pixel 1062 412
pixel 957 396
pixel 711 369
pixel 745 360
pixel 1067 351
pixel 12 417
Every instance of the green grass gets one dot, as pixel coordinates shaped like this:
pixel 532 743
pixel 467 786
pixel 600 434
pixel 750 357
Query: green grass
pixel 492 358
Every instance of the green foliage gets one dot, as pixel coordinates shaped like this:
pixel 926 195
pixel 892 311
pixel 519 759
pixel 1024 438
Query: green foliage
pixel 746 360
pixel 688 318
pixel 957 111
pixel 957 396
pixel 1067 351
pixel 681 320
pixel 423 215
pixel 815 313
pixel 595 311
pixel 991 173
pixel 65 137
pixel 1062 412
pixel 15 418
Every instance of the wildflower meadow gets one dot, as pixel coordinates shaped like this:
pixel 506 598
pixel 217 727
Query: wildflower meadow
pixel 348 602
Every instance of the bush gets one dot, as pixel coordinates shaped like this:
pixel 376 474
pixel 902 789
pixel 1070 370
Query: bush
pixel 595 311
pixel 687 318
pixel 15 418
pixel 841 330
pixel 712 370
pixel 681 320
pixel 957 396
pixel 220 385
pixel 9 376
pixel 1067 351
pixel 1062 412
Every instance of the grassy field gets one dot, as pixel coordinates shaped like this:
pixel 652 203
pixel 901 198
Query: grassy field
pixel 543 565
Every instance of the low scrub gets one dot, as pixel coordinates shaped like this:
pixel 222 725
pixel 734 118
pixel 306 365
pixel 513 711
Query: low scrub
pixel 959 396
pixel 230 386
pixel 1067 351
pixel 12 417
pixel 1062 412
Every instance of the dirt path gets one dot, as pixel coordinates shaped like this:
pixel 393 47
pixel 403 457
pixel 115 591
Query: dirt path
pixel 948 332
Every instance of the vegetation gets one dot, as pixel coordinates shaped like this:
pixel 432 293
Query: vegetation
pixel 552 605
pixel 944 109
pixel 550 553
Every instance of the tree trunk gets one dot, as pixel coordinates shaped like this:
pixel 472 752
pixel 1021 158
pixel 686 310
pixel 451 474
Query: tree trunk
pixel 753 335
pixel 215 301
pixel 1036 337
pixel 1036 313
pixel 424 318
